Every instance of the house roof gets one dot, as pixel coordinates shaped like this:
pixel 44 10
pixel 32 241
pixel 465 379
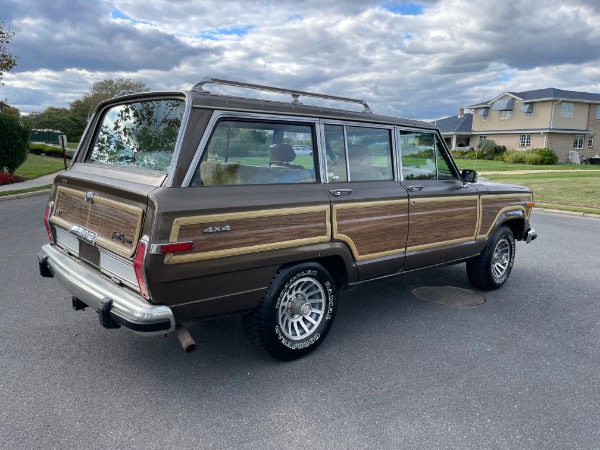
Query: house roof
pixel 455 124
pixel 544 94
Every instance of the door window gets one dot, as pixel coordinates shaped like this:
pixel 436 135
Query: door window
pixel 358 153
pixel 423 157
pixel 257 152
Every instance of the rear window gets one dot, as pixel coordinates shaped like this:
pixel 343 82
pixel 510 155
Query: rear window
pixel 139 134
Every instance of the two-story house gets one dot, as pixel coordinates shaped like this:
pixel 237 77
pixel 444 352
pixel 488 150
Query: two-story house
pixel 561 120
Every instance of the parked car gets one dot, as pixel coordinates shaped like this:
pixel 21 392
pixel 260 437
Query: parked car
pixel 188 205
pixel 302 150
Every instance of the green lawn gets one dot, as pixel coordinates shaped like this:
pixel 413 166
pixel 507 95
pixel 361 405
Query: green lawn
pixel 492 166
pixel 37 165
pixel 572 191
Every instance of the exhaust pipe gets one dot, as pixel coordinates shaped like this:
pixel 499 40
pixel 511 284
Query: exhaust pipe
pixel 185 339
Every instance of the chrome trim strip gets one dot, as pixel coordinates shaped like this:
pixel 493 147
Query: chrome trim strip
pixel 92 289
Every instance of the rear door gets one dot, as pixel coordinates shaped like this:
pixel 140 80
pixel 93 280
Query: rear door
pixel 444 212
pixel 369 208
pixel 249 201
pixel 100 203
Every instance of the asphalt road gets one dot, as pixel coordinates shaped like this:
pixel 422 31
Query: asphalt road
pixel 521 371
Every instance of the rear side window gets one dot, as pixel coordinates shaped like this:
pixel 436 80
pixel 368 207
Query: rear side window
pixel 139 134
pixel 257 152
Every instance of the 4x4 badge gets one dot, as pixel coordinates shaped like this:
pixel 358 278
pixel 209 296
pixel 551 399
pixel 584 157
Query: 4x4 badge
pixel 217 229
pixel 121 237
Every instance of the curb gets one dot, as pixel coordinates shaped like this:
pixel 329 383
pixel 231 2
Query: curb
pixel 25 195
pixel 566 213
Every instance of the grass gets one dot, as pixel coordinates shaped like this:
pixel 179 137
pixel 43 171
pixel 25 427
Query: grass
pixel 569 191
pixel 23 191
pixel 37 165
pixel 493 166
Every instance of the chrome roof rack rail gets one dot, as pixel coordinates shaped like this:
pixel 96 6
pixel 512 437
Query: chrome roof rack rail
pixel 199 87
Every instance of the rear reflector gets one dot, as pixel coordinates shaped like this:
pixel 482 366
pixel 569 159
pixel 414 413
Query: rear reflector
pixel 173 247
pixel 530 204
pixel 47 215
pixel 138 267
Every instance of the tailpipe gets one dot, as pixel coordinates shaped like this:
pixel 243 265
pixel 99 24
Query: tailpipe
pixel 185 339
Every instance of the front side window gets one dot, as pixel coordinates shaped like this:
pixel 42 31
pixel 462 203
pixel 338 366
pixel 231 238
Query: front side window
pixel 525 140
pixel 566 109
pixel 578 143
pixel 257 152
pixel 423 158
pixel 139 134
pixel 505 115
pixel 358 153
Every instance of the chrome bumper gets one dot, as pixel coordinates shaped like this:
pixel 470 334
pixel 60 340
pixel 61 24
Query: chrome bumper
pixel 114 305
pixel 530 235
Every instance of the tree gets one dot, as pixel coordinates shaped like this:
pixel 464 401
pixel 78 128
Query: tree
pixel 14 144
pixel 103 90
pixel 7 60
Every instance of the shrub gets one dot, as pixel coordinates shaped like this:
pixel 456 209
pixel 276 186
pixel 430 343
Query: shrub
pixel 48 150
pixel 535 156
pixel 490 150
pixel 547 156
pixel 14 142
pixel 9 178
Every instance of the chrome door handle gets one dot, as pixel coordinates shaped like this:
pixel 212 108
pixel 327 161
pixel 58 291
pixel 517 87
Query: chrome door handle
pixel 338 192
pixel 414 188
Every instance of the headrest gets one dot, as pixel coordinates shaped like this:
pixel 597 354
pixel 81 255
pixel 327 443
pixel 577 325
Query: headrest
pixel 283 153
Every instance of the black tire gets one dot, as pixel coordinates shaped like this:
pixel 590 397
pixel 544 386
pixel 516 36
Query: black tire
pixel 295 313
pixel 491 268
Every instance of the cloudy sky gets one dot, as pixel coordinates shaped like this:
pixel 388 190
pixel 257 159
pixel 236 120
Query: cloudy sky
pixel 421 59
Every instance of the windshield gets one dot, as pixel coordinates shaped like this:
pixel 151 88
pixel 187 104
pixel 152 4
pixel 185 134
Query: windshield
pixel 140 134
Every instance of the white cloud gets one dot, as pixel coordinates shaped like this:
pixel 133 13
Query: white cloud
pixel 421 66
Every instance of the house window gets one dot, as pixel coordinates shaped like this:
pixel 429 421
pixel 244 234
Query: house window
pixel 482 138
pixel 566 109
pixel 525 140
pixel 506 114
pixel 483 113
pixel 598 112
pixel 528 114
pixel 591 141
pixel 527 109
pixel 578 143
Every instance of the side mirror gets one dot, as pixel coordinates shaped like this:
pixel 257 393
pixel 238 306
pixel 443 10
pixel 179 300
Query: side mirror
pixel 468 176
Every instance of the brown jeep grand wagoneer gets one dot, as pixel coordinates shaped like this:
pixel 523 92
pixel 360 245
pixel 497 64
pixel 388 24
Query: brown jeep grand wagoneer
pixel 190 205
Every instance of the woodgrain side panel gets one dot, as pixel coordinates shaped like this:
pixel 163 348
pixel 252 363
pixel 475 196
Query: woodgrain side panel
pixel 492 206
pixel 442 221
pixel 102 216
pixel 249 232
pixel 372 229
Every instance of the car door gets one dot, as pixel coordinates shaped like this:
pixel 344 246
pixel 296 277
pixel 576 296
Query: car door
pixel 369 208
pixel 443 211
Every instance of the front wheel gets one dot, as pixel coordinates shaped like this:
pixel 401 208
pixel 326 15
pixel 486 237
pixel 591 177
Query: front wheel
pixel 295 313
pixel 491 268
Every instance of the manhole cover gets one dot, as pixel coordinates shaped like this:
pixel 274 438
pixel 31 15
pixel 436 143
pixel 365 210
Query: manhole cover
pixel 448 295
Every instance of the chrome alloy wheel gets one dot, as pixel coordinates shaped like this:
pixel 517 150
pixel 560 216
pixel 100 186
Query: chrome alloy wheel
pixel 302 308
pixel 501 258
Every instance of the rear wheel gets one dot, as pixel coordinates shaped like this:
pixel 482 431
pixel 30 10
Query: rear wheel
pixel 295 313
pixel 491 268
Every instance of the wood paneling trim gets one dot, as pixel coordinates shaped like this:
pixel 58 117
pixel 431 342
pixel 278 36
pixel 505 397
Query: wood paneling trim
pixel 250 232
pixel 372 229
pixel 500 204
pixel 102 216
pixel 444 221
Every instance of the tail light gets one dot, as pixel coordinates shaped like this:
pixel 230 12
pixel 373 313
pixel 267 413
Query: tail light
pixel 138 267
pixel 47 214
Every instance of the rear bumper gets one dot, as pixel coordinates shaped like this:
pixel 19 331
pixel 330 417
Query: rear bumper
pixel 114 305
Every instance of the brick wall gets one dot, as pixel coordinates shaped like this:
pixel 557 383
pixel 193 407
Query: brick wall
pixel 512 141
pixel 594 126
pixel 562 144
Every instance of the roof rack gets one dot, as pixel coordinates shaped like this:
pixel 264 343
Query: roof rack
pixel 199 87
